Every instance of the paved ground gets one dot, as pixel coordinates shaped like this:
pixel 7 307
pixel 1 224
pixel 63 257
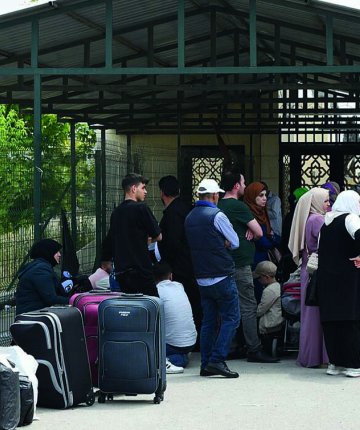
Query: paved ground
pixel 264 397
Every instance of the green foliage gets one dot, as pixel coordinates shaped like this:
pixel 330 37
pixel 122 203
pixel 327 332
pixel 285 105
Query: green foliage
pixel 17 167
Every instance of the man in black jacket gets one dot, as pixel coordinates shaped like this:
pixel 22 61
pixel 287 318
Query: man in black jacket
pixel 174 248
pixel 132 227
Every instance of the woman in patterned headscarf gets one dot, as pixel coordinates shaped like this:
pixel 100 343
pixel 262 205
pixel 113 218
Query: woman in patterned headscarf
pixel 308 219
pixel 255 198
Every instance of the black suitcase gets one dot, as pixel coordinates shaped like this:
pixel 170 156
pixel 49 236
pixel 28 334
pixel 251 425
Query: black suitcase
pixel 55 337
pixel 132 354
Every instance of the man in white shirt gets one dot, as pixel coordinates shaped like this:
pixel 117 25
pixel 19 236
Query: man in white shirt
pixel 180 331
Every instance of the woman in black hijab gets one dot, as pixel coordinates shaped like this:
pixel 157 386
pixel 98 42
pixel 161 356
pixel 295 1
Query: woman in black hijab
pixel 38 283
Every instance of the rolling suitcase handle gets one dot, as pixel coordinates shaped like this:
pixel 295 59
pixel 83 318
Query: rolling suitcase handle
pixel 132 295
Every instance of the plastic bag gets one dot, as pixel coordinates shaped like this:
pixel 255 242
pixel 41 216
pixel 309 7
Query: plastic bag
pixel 312 263
pixel 26 401
pixel 9 396
pixel 26 365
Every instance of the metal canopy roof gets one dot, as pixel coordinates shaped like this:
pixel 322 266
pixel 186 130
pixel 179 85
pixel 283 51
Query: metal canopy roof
pixel 166 66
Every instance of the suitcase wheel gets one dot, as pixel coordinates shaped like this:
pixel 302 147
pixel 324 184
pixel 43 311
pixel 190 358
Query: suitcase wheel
pixel 90 398
pixel 158 399
pixel 102 397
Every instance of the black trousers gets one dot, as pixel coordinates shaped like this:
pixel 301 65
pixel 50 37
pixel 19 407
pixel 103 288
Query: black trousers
pixel 342 341
pixel 133 281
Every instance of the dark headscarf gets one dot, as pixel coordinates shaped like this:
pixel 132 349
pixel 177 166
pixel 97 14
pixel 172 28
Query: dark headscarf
pixel 46 249
pixel 260 214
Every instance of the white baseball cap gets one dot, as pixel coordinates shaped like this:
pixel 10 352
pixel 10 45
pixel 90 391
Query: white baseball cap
pixel 209 186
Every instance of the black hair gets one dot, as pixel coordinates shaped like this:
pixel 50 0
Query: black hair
pixel 133 179
pixel 230 178
pixel 169 185
pixel 161 271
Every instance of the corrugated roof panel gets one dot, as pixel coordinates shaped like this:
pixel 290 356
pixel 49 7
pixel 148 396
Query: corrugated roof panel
pixel 63 35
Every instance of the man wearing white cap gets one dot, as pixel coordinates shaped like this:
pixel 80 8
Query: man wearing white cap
pixel 209 234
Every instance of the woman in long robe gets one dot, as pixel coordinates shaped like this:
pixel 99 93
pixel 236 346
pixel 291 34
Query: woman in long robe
pixel 308 219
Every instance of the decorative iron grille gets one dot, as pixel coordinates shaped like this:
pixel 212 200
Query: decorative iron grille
pixel 351 170
pixel 202 168
pixel 314 170
pixel 286 182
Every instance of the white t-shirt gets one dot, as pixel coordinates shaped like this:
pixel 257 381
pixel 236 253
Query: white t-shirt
pixel 179 323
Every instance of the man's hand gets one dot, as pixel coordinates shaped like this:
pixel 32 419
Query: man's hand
pixel 227 243
pixel 356 261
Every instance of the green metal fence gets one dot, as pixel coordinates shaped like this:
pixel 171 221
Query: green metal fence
pixel 96 188
pixel 16 216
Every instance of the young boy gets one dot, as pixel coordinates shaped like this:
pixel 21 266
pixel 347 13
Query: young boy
pixel 100 279
pixel 180 332
pixel 269 308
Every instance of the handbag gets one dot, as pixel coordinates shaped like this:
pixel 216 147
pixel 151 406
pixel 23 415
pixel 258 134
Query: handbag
pixel 312 263
pixel 274 255
pixel 311 297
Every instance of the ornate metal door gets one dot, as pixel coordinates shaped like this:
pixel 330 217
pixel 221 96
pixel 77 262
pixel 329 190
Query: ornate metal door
pixel 202 162
pixel 312 166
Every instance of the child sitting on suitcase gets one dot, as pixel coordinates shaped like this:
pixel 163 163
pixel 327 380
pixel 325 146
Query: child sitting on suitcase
pixel 269 309
pixel 180 331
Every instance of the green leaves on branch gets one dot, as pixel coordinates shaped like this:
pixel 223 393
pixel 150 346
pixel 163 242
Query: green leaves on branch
pixel 17 166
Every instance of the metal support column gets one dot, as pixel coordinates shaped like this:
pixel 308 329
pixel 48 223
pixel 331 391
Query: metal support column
pixel 252 27
pixel 109 35
pixel 73 184
pixel 37 132
pixel 98 232
pixel 103 183
pixel 329 41
pixel 128 154
pixel 181 34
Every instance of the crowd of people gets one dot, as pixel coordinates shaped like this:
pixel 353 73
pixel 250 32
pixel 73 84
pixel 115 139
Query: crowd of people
pixel 216 267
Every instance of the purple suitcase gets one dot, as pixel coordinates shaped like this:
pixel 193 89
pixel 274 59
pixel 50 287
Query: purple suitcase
pixel 88 304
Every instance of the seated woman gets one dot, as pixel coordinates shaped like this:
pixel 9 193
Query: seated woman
pixel 39 286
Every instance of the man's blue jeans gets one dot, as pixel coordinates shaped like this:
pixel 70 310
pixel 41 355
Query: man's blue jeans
pixel 179 356
pixel 221 318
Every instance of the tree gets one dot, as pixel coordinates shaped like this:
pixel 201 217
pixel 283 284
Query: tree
pixel 16 165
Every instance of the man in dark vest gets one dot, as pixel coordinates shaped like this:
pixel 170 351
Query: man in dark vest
pixel 209 234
